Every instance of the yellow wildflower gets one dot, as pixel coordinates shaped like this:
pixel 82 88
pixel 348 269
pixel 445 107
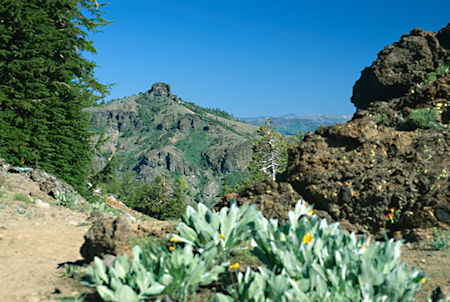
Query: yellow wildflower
pixel 363 247
pixel 171 248
pixel 311 212
pixel 222 236
pixel 308 238
pixel 423 280
pixel 236 265
pixel 174 239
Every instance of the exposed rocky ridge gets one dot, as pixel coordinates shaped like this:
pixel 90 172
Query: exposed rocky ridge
pixel 357 171
pixel 156 132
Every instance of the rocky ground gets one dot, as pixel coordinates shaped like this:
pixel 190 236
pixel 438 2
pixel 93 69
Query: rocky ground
pixel 37 243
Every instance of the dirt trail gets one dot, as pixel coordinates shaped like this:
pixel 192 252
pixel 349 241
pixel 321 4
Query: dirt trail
pixel 34 242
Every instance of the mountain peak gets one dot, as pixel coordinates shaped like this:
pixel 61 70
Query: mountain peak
pixel 161 89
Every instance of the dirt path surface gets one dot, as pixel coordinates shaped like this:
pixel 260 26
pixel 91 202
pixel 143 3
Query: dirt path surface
pixel 31 252
pixel 35 241
pixel 436 265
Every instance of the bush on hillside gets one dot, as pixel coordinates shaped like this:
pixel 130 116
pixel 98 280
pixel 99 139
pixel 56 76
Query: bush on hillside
pixel 163 199
pixel 423 118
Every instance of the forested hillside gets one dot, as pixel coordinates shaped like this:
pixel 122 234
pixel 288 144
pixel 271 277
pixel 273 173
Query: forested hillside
pixel 155 132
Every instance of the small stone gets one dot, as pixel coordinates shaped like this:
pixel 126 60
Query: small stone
pixel 443 213
pixel 41 204
pixel 33 299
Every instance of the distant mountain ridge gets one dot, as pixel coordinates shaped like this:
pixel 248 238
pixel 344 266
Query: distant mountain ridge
pixel 156 132
pixel 290 124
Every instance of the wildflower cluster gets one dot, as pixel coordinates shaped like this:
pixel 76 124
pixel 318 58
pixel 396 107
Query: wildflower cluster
pixel 394 215
pixel 303 259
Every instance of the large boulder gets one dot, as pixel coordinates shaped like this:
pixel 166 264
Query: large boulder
pixel 401 66
pixel 109 236
pixel 273 199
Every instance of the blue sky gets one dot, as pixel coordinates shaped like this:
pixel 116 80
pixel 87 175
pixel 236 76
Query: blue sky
pixel 254 58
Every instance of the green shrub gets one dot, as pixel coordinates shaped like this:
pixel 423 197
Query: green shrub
pixel 381 118
pixel 440 241
pixel 423 118
pixel 66 198
pixel 21 197
pixel 164 199
pixel 443 68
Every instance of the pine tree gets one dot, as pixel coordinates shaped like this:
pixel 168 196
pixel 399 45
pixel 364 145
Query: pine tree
pixel 45 83
pixel 269 155
pixel 163 199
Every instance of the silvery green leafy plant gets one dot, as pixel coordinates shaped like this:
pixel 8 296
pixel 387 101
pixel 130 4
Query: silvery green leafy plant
pixel 327 263
pixel 154 273
pixel 227 228
pixel 183 271
pixel 97 206
pixel 66 198
pixel 262 285
pixel 124 281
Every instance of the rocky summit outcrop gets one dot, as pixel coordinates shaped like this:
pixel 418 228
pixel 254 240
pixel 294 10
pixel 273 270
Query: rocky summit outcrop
pixel 392 158
pixel 161 89
pixel 401 66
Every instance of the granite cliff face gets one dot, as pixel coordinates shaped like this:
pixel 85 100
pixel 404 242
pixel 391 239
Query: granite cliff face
pixel 156 132
pixel 394 153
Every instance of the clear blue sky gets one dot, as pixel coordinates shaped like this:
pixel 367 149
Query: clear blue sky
pixel 254 58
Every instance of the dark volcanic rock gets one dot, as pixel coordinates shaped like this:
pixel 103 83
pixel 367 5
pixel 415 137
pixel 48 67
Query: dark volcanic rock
pixel 273 199
pixel 161 89
pixel 357 171
pixel 443 36
pixel 109 235
pixel 401 66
